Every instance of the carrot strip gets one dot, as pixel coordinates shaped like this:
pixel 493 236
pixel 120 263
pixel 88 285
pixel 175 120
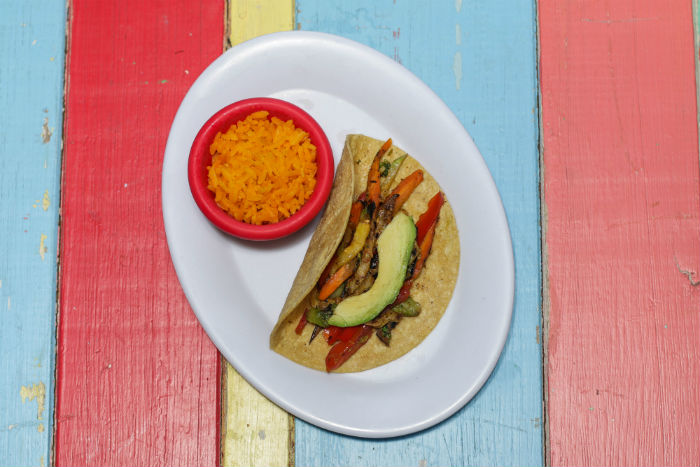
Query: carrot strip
pixel 385 147
pixel 405 188
pixel 335 280
pixel 374 188
pixel 356 211
pixel 326 273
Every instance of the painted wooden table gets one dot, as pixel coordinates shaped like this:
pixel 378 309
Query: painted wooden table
pixel 586 114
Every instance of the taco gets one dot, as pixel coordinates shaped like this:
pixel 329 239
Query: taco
pixel 380 268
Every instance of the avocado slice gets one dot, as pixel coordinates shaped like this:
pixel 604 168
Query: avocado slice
pixel 394 248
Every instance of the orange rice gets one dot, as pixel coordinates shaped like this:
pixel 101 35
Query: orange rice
pixel 263 169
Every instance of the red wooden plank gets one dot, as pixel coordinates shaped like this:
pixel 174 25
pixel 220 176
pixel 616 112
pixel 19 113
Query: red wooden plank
pixel 621 187
pixel 138 380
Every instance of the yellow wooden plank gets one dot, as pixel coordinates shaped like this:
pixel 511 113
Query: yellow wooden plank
pixel 255 432
pixel 251 18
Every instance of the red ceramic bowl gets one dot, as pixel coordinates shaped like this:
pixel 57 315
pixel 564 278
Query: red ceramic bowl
pixel 200 159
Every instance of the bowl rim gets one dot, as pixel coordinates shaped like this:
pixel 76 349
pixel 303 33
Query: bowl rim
pixel 200 158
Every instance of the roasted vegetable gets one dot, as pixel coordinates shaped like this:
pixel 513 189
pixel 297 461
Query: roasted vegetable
pixel 335 280
pixel 388 179
pixel 404 189
pixel 384 333
pixel 343 350
pixel 355 246
pixel 408 308
pixel 318 316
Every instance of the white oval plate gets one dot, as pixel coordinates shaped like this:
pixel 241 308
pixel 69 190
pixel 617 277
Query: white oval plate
pixel 237 288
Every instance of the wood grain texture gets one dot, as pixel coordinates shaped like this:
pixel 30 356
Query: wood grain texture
pixel 138 379
pixel 622 190
pixel 32 41
pixel 480 58
pixel 255 431
pixel 696 36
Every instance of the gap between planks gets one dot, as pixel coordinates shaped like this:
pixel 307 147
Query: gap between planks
pixel 696 43
pixel 255 432
pixel 545 303
pixel 59 201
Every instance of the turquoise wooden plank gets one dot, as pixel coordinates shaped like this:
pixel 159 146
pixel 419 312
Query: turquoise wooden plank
pixel 32 44
pixel 480 58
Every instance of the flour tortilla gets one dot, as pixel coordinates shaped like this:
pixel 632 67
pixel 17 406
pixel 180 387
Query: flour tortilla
pixel 433 288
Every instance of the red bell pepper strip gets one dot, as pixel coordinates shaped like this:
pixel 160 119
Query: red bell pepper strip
pixel 340 352
pixel 335 334
pixel 347 333
pixel 331 334
pixel 425 228
pixel 302 323
pixel 424 246
pixel 430 216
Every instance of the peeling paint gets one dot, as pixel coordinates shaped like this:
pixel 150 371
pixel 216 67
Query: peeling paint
pixel 458 5
pixel 46 201
pixel 42 248
pixel 32 392
pixel 46 132
pixel 396 55
pixel 457 69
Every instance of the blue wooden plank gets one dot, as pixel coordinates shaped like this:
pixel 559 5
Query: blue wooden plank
pixel 480 58
pixel 32 45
